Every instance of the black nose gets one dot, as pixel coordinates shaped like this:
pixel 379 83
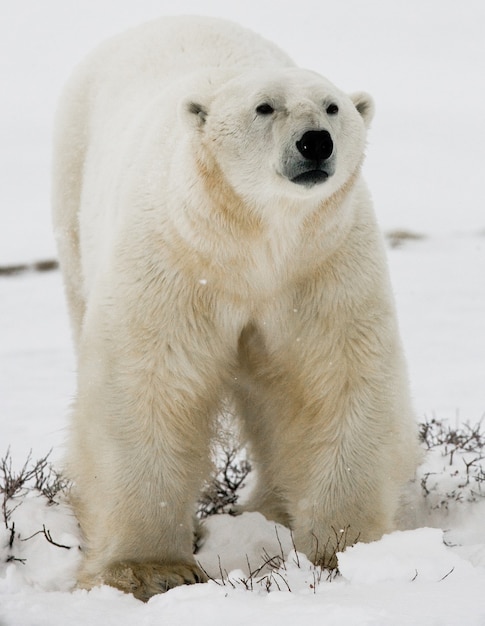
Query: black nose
pixel 315 145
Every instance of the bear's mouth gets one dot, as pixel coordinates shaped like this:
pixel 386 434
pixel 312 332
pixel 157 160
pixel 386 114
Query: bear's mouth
pixel 311 178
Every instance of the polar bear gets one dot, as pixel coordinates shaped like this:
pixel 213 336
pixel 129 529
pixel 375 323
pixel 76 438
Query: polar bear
pixel 218 244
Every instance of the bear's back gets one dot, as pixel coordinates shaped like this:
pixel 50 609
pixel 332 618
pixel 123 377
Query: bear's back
pixel 171 47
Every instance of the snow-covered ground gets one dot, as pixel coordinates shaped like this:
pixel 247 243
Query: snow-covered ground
pixel 423 62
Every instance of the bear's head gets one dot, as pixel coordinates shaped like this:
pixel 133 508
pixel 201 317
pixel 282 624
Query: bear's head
pixel 277 134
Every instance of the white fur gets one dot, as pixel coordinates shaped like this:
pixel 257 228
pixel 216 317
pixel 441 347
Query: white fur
pixel 196 271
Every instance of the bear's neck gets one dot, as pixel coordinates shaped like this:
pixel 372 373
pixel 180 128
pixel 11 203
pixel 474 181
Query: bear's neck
pixel 286 243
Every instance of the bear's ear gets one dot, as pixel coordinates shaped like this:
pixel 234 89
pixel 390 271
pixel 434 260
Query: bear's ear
pixel 196 112
pixel 365 106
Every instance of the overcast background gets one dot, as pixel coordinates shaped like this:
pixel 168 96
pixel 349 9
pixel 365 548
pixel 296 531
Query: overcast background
pixel 422 60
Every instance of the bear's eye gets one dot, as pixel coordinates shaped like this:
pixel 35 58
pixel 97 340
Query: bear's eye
pixel 332 109
pixel 264 109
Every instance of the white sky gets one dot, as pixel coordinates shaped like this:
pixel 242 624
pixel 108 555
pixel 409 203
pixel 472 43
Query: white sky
pixel 422 60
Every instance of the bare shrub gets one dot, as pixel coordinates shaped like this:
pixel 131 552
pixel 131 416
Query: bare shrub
pixel 222 493
pixel 38 477
pixel 463 450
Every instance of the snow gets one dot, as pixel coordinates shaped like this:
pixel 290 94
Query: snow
pixel 423 62
pixel 404 556
pixel 406 578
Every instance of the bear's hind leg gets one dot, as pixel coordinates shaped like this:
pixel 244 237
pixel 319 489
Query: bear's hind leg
pixel 250 395
pixel 267 497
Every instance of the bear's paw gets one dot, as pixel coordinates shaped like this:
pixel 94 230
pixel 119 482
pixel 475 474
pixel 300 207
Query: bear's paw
pixel 146 579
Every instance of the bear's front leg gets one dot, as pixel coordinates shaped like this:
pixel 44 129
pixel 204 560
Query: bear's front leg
pixel 327 413
pixel 352 440
pixel 336 508
pixel 136 479
pixel 139 449
pixel 330 480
